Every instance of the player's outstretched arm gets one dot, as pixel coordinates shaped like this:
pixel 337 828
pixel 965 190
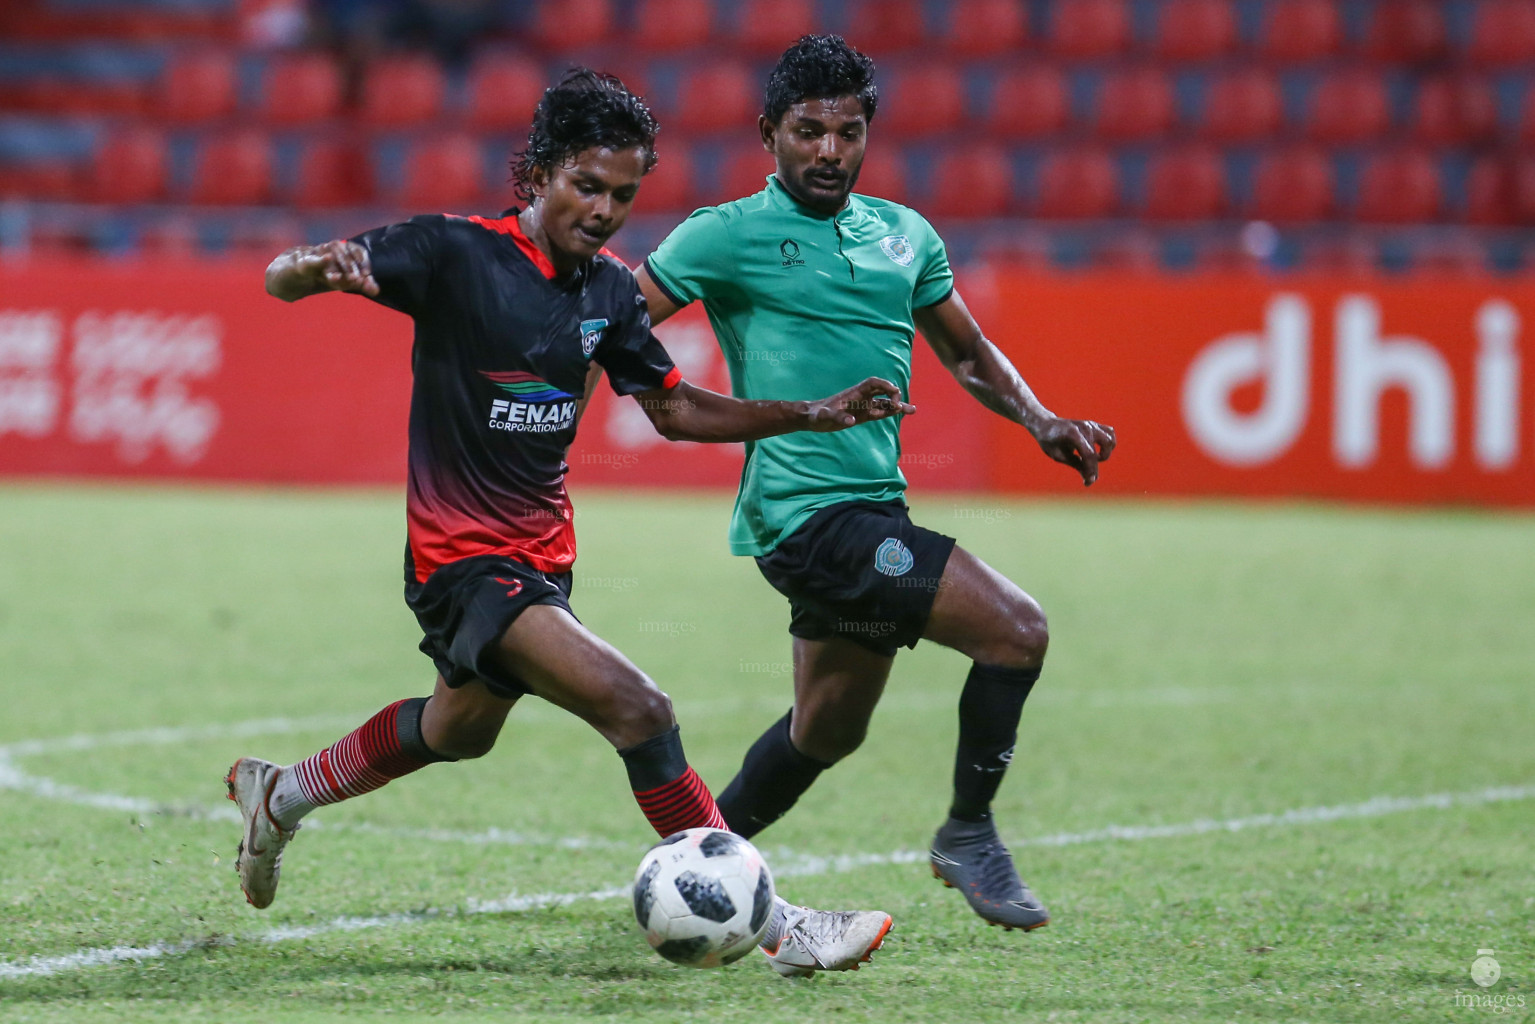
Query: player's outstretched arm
pixel 336 266
pixel 982 369
pixel 688 413
pixel 658 302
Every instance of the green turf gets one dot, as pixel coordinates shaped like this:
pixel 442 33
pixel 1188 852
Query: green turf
pixel 1208 662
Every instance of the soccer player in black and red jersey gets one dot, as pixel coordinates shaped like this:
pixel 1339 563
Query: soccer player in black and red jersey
pixel 510 314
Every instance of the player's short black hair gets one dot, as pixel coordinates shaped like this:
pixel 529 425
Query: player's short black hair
pixel 585 109
pixel 819 67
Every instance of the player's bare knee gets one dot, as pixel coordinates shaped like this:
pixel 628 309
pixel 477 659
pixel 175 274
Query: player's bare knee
pixel 468 741
pixel 829 736
pixel 639 713
pixel 1022 640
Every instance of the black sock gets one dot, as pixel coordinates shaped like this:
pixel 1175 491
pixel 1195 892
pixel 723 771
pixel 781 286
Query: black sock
pixel 989 708
pixel 407 723
pixel 771 779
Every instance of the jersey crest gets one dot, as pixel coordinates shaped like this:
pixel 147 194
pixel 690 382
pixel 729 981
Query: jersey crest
pixel 898 248
pixel 893 558
pixel 591 334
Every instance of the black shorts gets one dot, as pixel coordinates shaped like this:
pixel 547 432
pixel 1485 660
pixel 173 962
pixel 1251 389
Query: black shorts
pixel 465 606
pixel 860 570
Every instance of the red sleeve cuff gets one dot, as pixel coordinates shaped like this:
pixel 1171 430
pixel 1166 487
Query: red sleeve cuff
pixel 672 379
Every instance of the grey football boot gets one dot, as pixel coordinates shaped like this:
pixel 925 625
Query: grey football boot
pixel 969 856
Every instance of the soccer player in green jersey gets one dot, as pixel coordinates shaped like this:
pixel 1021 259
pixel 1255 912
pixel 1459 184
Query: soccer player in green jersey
pixel 809 285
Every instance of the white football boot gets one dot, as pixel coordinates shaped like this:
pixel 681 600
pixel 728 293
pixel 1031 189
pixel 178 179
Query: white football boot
pixel 250 781
pixel 824 940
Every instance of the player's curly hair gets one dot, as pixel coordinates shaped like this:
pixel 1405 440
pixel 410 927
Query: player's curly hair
pixel 820 67
pixel 584 109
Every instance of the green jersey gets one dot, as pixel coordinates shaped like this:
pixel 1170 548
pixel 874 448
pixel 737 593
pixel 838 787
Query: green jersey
pixel 805 305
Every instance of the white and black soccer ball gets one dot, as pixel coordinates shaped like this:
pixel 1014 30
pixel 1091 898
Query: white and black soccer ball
pixel 704 897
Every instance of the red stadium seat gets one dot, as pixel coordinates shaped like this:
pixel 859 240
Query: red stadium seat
pixel 1029 102
pixel 300 88
pixel 331 173
pixel 1186 184
pixel 503 90
pixel 883 174
pixel 1243 106
pixel 662 26
pixel 1301 30
pixel 1090 28
pixel 1454 110
pixel 1350 255
pixel 1399 188
pixel 1135 251
pixel 1349 106
pixel 886 26
pixel 1527 120
pixel 1503 33
pixel 130 168
pixel 198 86
pixel 1500 190
pixel 768 27
pixel 974 181
pixel 233 170
pixel 743 172
pixel 1135 104
pixel 1293 186
pixel 444 174
pixel 402 92
pixel 572 24
pixel 173 237
pixel 1406 31
pixel 925 99
pixel 672 185
pixel 1196 29
pixel 1078 184
pixel 985 28
pixel 717 97
pixel 264 236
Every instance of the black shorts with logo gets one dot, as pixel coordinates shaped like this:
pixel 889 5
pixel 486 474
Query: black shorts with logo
pixel 860 570
pixel 466 605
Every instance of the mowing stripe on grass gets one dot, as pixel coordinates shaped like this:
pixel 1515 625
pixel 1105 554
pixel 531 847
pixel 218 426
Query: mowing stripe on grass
pixel 788 864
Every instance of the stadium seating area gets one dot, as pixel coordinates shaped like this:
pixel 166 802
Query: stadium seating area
pixel 1385 134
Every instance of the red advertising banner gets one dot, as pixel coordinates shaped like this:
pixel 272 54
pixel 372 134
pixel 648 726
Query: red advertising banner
pixel 193 371
pixel 1372 390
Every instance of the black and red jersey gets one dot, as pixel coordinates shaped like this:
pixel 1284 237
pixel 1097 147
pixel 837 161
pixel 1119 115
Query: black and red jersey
pixel 501 353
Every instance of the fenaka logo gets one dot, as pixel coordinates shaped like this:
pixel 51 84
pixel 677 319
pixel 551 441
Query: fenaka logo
pixel 1366 364
pixel 898 248
pixel 789 249
pixel 536 406
pixel 591 334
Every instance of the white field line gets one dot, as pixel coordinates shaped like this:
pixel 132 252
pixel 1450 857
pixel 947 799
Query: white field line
pixel 787 865
pixel 14 778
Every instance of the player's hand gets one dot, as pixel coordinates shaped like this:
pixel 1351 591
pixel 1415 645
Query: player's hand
pixel 871 399
pixel 338 266
pixel 1080 444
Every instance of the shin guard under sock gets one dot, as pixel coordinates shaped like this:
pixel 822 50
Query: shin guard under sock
pixel 989 709
pixel 774 775
pixel 384 748
pixel 667 789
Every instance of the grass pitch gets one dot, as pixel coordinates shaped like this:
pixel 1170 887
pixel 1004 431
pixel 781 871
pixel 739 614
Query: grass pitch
pixel 1279 768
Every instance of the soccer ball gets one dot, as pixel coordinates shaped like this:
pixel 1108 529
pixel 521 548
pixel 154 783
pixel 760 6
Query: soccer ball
pixel 703 897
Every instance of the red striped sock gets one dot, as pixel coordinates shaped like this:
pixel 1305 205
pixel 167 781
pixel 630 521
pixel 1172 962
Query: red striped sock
pixel 358 763
pixel 684 802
